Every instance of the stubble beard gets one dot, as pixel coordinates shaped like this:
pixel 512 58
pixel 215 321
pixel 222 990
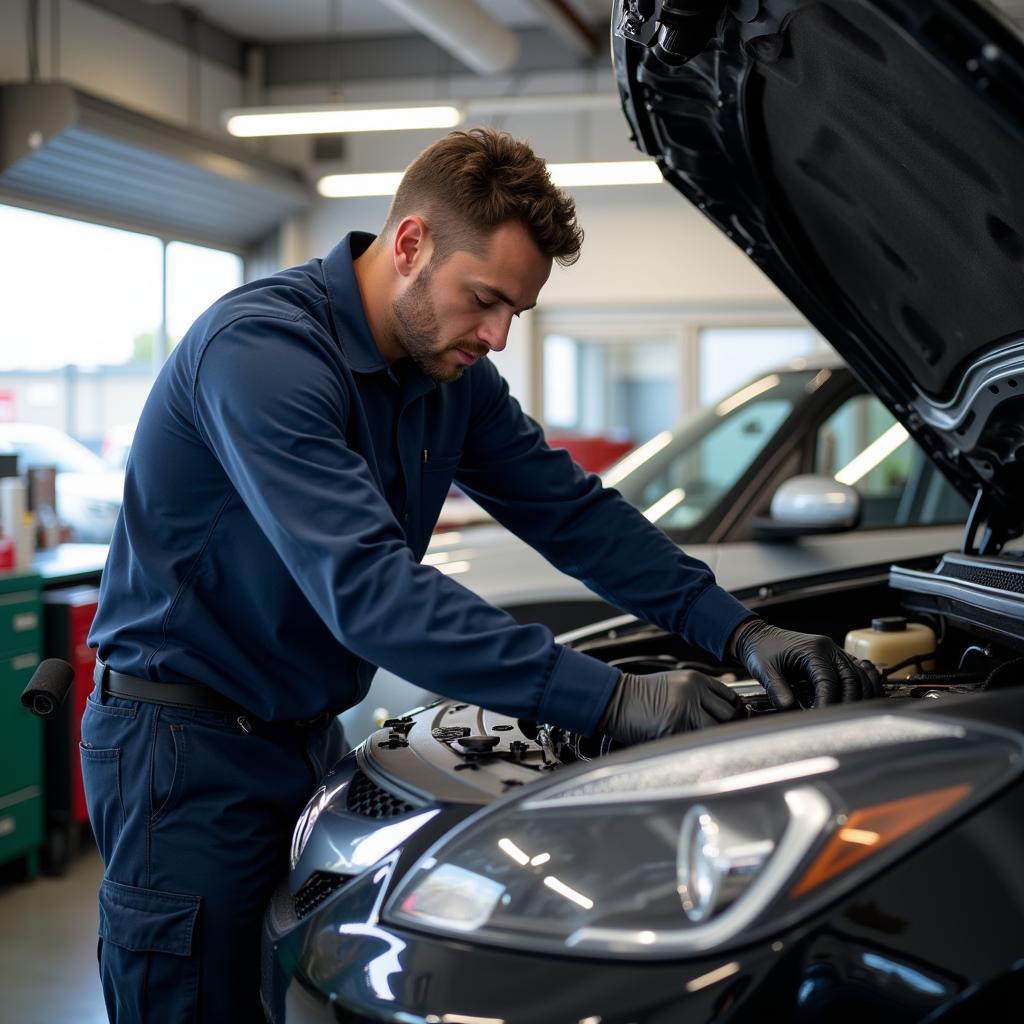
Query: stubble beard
pixel 416 332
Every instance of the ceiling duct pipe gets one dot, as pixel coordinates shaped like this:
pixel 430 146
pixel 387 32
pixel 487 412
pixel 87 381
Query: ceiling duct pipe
pixel 466 31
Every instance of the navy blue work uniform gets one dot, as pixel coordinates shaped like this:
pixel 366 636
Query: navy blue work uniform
pixel 281 490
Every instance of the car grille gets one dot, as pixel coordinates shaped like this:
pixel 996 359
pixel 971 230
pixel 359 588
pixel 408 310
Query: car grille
pixel 315 890
pixel 1009 580
pixel 369 800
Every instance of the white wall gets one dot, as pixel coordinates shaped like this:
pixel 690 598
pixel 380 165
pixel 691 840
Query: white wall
pixel 643 244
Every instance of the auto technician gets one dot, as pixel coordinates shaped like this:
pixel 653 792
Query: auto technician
pixel 284 479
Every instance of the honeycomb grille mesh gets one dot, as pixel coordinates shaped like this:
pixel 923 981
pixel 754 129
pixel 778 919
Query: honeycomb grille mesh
pixel 367 799
pixel 315 890
pixel 1006 580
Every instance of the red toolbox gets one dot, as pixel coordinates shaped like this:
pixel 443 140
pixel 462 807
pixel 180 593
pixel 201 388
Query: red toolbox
pixel 68 614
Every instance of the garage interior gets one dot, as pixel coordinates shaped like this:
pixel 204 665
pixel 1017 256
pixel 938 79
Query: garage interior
pixel 134 192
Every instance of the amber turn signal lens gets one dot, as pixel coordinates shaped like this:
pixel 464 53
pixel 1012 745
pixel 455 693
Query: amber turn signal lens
pixel 870 829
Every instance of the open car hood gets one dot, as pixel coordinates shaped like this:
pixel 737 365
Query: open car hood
pixel 869 157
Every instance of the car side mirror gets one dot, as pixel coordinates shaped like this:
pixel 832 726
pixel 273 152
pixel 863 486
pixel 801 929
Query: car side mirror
pixel 809 504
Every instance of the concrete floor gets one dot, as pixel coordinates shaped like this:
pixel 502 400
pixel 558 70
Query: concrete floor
pixel 48 947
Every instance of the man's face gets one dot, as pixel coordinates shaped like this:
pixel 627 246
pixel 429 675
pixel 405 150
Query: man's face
pixel 452 314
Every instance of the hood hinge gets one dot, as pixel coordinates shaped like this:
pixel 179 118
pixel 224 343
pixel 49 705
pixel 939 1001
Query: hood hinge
pixel 997 528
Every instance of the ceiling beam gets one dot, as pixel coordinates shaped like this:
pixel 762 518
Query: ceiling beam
pixel 316 62
pixel 319 61
pixel 465 30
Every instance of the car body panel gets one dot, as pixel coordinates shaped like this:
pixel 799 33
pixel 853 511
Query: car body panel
pixel 890 949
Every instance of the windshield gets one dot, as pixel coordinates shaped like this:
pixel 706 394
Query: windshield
pixel 50 449
pixel 678 477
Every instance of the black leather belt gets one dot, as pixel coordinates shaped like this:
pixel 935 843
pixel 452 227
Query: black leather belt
pixel 194 696
pixel 197 697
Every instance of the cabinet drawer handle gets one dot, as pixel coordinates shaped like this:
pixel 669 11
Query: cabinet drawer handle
pixel 25 621
pixel 24 661
pixel 7 825
pixel 19 796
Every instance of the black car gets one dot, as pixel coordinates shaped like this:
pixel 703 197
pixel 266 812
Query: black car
pixel 463 867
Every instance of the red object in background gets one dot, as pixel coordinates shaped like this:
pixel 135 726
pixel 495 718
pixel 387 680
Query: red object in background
pixel 7 406
pixel 69 612
pixel 592 453
pixel 82 660
pixel 6 553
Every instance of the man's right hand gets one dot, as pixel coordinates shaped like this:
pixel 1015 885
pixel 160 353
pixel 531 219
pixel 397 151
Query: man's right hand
pixel 650 707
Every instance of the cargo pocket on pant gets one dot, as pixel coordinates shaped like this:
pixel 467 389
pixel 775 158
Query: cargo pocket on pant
pixel 149 958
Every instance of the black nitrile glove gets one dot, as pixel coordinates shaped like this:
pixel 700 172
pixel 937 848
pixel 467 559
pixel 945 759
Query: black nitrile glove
pixel 776 658
pixel 650 707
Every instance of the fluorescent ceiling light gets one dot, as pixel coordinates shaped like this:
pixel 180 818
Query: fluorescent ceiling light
pixel 252 122
pixel 260 122
pixel 623 172
pixel 347 186
pixel 617 172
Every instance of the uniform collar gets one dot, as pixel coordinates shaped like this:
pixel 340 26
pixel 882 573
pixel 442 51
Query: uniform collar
pixel 347 305
pixel 353 329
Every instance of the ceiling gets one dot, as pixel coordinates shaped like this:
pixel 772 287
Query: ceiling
pixel 271 21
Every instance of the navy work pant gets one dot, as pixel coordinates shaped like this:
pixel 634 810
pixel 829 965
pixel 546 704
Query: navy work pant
pixel 193 817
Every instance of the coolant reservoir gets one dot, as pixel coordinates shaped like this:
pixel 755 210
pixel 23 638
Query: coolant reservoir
pixel 893 639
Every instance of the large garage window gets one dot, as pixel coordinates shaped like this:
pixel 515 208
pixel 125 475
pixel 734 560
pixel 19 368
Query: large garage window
pixel 196 277
pixel 87 314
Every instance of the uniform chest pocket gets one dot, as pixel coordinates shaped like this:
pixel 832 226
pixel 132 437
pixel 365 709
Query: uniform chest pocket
pixel 436 477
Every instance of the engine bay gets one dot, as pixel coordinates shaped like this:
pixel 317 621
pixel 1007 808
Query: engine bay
pixel 456 757
pixel 455 751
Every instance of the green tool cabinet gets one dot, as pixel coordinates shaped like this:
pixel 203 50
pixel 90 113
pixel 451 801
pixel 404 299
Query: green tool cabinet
pixel 21 733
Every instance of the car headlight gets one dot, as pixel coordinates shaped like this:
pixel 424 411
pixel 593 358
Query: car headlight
pixel 689 851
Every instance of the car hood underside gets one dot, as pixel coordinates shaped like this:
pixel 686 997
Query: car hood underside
pixel 868 157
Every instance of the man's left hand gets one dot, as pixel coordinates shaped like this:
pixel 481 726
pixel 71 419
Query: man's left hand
pixel 776 658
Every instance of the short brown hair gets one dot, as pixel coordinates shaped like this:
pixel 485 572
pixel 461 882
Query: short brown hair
pixel 470 182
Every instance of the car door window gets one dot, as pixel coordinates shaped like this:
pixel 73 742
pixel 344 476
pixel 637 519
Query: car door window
pixel 863 445
pixel 681 485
